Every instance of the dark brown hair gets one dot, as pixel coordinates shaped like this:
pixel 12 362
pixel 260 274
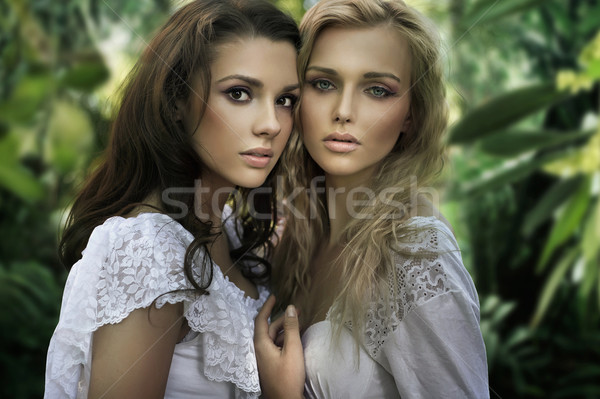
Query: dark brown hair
pixel 149 151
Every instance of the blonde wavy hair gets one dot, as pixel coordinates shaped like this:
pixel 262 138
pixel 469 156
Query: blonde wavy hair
pixel 370 239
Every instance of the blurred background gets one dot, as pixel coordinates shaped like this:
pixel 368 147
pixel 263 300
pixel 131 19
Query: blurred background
pixel 521 189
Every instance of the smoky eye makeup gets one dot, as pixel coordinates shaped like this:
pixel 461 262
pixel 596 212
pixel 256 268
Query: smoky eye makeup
pixel 238 94
pixel 379 91
pixel 321 84
pixel 287 100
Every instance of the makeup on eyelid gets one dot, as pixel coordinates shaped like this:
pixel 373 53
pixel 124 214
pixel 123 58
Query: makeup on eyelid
pixel 248 116
pixel 356 99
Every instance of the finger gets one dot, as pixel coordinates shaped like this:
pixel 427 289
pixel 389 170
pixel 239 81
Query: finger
pixel 261 322
pixel 275 327
pixel 291 331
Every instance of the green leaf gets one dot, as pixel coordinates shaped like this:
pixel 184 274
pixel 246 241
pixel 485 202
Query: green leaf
pixel 26 99
pixel 590 275
pixel 19 180
pixel 511 143
pixel 552 200
pixel 519 336
pixel 567 222
pixel 491 11
pixel 590 244
pixel 86 75
pixel 503 111
pixel 556 277
pixel 69 137
pixel 506 175
pixel 502 311
pixel 592 70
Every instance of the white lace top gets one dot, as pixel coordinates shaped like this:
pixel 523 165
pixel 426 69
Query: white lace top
pixel 129 263
pixel 431 345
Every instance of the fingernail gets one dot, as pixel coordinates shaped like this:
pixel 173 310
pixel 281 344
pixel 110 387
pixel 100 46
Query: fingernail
pixel 290 311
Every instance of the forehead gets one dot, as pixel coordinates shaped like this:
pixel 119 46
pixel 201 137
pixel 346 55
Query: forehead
pixel 257 57
pixel 381 49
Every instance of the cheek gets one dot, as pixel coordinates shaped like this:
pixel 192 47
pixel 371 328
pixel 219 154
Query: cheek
pixel 287 125
pixel 388 125
pixel 311 115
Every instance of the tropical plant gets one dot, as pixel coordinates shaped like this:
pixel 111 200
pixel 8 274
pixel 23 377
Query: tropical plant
pixel 528 162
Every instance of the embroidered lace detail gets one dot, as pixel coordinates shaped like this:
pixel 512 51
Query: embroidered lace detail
pixel 226 320
pixel 416 281
pixel 127 265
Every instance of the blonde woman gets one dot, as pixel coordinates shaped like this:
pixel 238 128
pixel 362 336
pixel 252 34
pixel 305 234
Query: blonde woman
pixel 387 308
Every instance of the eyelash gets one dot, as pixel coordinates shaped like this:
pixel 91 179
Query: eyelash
pixel 292 99
pixel 386 92
pixel 315 84
pixel 243 90
pixel 232 90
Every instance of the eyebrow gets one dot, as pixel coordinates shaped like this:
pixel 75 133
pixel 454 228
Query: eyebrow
pixel 371 75
pixel 247 79
pixel 368 75
pixel 256 82
pixel 324 70
pixel 291 87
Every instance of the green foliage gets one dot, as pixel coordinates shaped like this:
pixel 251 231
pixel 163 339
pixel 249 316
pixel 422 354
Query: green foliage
pixel 85 75
pixel 512 143
pixel 526 180
pixel 30 300
pixel 528 159
pixel 51 126
pixel 13 175
pixel 503 111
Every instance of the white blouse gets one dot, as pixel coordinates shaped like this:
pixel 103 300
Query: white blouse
pixel 431 345
pixel 127 265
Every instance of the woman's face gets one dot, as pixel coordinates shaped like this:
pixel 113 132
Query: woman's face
pixel 356 99
pixel 248 115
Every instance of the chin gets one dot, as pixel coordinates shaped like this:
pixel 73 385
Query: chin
pixel 250 180
pixel 337 168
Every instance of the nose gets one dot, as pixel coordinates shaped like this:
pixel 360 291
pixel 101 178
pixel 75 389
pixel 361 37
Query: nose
pixel 343 111
pixel 267 123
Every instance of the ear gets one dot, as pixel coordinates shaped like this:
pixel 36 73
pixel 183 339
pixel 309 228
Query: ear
pixel 179 110
pixel 407 125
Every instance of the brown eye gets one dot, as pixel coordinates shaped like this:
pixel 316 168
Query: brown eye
pixel 286 101
pixel 238 94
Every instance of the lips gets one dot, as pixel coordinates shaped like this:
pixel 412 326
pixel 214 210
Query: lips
pixel 257 157
pixel 259 152
pixel 341 137
pixel 341 142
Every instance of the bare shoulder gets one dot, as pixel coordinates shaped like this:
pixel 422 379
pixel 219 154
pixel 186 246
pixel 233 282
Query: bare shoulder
pixel 425 208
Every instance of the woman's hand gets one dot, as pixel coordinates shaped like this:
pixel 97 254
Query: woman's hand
pixel 280 368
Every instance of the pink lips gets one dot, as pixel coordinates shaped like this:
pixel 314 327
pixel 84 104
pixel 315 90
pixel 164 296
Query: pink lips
pixel 341 142
pixel 257 157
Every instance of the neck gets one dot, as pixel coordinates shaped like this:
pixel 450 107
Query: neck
pixel 210 197
pixel 344 196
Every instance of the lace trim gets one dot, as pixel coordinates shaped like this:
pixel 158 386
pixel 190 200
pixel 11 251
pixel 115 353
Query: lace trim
pixel 416 281
pixel 127 265
pixel 226 320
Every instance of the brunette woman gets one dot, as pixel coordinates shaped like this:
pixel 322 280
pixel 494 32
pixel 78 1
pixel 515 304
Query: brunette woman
pixel 162 292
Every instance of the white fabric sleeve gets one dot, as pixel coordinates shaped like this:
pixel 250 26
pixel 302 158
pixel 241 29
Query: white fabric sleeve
pixel 437 351
pixel 434 347
pixel 127 265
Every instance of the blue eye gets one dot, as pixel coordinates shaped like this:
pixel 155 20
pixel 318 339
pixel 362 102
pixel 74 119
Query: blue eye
pixel 322 84
pixel 378 91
